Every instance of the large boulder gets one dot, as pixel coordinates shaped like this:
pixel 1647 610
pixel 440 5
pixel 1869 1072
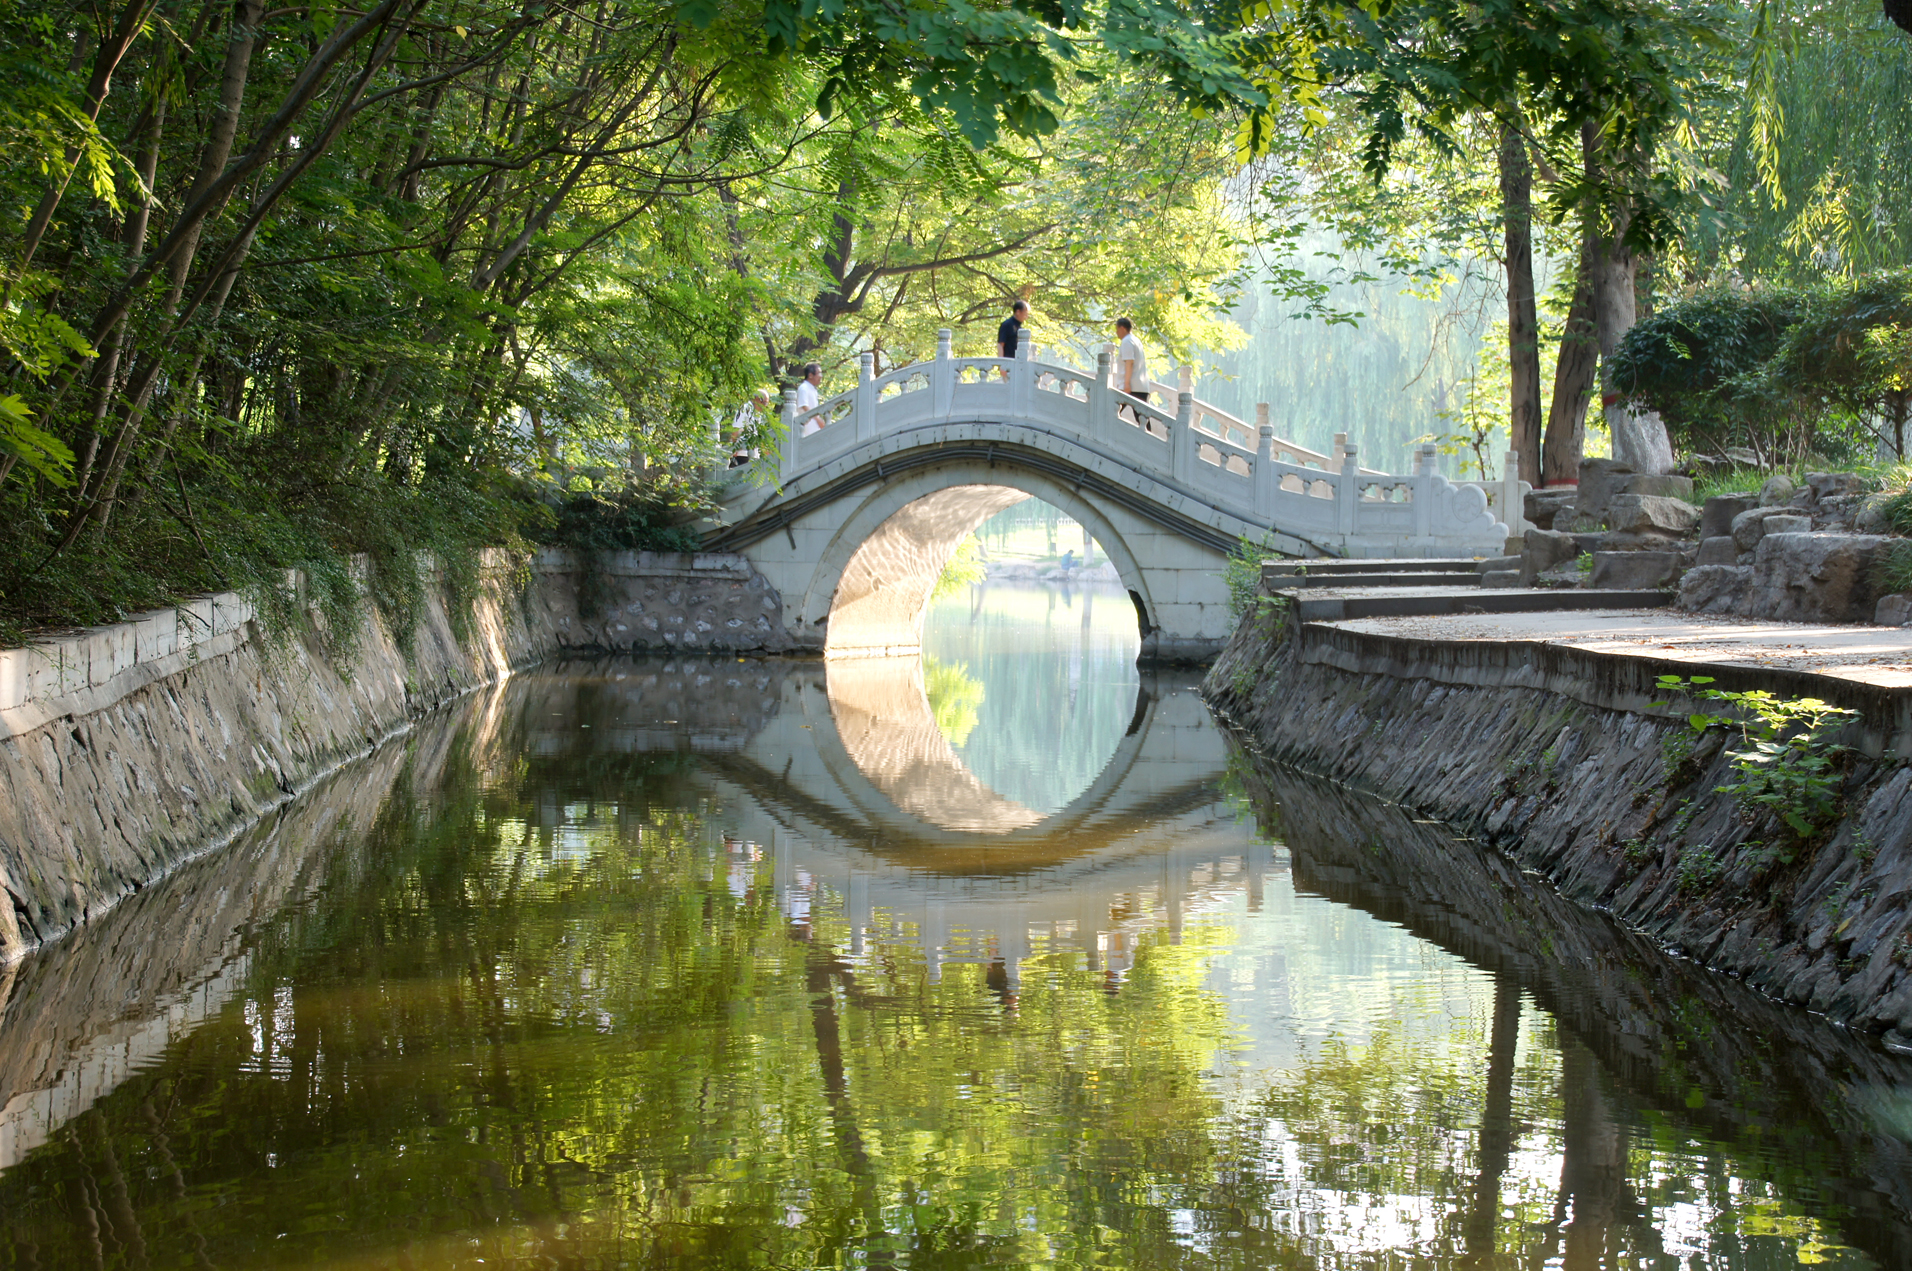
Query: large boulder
pixel 1894 610
pixel 1826 485
pixel 1665 486
pixel 1871 518
pixel 1718 550
pixel 1600 480
pixel 1750 526
pixel 1716 518
pixel 1815 577
pixel 1542 550
pixel 1651 514
pixel 1778 489
pixel 1639 541
pixel 1542 506
pixel 1715 588
pixel 1634 571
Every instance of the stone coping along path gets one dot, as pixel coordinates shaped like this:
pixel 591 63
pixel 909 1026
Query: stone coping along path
pixel 1613 658
pixel 1880 656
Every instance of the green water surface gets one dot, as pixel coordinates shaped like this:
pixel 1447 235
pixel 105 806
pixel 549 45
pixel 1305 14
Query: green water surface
pixel 617 971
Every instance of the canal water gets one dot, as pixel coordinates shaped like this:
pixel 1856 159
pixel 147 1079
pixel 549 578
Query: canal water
pixel 1005 957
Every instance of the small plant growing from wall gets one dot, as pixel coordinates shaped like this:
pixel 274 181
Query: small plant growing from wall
pixel 1698 869
pixel 1243 573
pixel 1788 764
pixel 1676 757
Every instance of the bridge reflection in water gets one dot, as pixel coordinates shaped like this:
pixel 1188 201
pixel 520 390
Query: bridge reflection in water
pixel 839 773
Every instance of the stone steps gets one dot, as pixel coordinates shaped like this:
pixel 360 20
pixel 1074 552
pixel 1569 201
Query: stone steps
pixel 1383 602
pixel 1454 572
pixel 1430 578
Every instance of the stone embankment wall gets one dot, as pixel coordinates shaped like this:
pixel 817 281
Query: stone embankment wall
pixel 677 602
pixel 1565 766
pixel 127 749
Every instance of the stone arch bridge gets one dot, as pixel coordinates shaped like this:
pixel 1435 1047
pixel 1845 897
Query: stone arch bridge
pixel 853 523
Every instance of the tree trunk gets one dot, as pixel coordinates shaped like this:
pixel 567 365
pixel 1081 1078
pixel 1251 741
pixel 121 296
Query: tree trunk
pixel 1523 319
pixel 1593 1166
pixel 1497 1121
pixel 1639 437
pixel 1573 381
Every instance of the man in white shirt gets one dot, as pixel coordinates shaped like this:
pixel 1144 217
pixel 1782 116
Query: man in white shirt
pixel 807 398
pixel 1131 363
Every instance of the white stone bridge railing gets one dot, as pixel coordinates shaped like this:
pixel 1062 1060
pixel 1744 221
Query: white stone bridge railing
pixel 1239 469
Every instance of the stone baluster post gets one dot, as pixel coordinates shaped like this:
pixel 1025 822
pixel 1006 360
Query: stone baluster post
pixel 1347 495
pixel 866 397
pixel 1181 438
pixel 1421 490
pixel 1512 510
pixel 1267 480
pixel 1022 380
pixel 788 467
pixel 942 375
pixel 1101 396
pixel 1334 451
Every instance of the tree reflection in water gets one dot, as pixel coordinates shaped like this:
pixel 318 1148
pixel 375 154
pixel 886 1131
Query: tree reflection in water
pixel 550 1009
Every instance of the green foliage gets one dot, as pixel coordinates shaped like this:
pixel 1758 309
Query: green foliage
pixel 41 451
pixel 964 568
pixel 1698 363
pixel 645 517
pixel 1676 756
pixel 955 698
pixel 1893 572
pixel 1698 868
pixel 1851 351
pixel 1479 416
pixel 1243 574
pixel 1814 170
pixel 1782 370
pixel 1788 765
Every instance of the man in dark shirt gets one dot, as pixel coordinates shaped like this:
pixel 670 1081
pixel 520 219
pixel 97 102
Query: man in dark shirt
pixel 1009 334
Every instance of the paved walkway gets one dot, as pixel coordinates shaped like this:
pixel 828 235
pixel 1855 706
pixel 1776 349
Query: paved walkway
pixel 1872 655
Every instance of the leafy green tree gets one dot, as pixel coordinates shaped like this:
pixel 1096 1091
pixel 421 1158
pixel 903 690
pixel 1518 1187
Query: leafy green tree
pixel 1698 363
pixel 1851 350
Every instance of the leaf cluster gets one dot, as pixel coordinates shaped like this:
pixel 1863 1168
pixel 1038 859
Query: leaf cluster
pixel 1788 765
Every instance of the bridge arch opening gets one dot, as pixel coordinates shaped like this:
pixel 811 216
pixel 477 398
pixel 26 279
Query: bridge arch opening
pixel 872 587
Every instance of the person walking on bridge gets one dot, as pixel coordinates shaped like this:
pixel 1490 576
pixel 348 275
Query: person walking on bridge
pixel 1009 334
pixel 1131 362
pixel 807 398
